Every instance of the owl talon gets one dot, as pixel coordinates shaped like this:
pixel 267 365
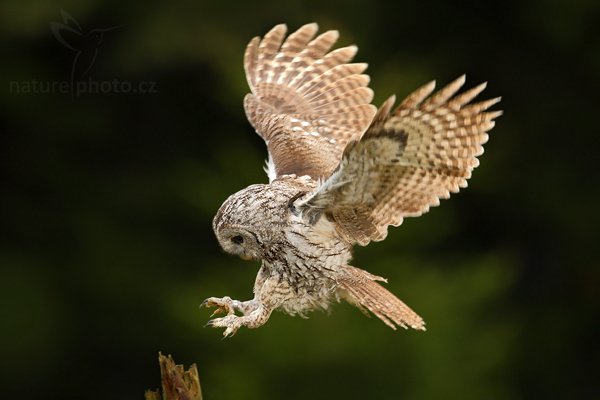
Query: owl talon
pixel 223 305
pixel 219 310
pixel 231 322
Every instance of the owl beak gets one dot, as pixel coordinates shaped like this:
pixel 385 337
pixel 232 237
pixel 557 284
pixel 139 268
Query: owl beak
pixel 245 257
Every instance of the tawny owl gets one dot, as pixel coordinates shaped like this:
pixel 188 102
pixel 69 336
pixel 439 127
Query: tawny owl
pixel 340 172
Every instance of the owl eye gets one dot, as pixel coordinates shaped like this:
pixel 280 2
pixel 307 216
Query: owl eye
pixel 237 239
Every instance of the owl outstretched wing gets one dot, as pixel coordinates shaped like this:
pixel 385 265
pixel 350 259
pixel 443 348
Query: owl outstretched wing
pixel 405 162
pixel 307 102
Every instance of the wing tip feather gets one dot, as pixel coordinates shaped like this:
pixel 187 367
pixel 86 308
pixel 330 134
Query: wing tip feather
pixel 311 25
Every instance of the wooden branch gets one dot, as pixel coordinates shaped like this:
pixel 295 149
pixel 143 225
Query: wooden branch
pixel 177 384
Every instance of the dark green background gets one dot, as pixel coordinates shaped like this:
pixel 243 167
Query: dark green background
pixel 107 199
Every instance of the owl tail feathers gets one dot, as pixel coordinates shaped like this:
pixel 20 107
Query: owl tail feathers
pixel 360 288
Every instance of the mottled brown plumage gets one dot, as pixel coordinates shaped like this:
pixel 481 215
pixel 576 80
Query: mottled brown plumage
pixel 340 173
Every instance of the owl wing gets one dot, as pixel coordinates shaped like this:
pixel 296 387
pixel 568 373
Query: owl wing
pixel 307 102
pixel 405 162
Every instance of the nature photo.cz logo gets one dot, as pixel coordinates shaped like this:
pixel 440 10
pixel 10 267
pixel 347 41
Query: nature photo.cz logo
pixel 84 45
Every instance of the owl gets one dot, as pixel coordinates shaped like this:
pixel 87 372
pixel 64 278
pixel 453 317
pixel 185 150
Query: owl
pixel 340 172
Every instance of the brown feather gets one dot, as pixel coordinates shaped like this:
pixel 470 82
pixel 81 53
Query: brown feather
pixel 306 102
pixel 405 162
pixel 361 289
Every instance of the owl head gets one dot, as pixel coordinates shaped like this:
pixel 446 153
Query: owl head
pixel 241 222
pixel 241 241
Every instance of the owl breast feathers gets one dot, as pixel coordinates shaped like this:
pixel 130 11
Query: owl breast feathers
pixel 340 172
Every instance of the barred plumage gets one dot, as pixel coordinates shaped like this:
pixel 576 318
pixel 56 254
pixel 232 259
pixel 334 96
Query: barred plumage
pixel 340 173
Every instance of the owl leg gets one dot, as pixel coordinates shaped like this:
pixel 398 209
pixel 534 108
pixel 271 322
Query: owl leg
pixel 232 322
pixel 228 306
pixel 246 307
pixel 268 296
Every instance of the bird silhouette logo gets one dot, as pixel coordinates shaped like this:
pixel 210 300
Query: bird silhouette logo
pixel 85 45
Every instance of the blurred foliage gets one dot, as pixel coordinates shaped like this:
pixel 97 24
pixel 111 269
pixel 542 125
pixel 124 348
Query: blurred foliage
pixel 107 200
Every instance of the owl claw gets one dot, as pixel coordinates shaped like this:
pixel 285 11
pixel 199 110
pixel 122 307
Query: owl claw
pixel 231 322
pixel 223 305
